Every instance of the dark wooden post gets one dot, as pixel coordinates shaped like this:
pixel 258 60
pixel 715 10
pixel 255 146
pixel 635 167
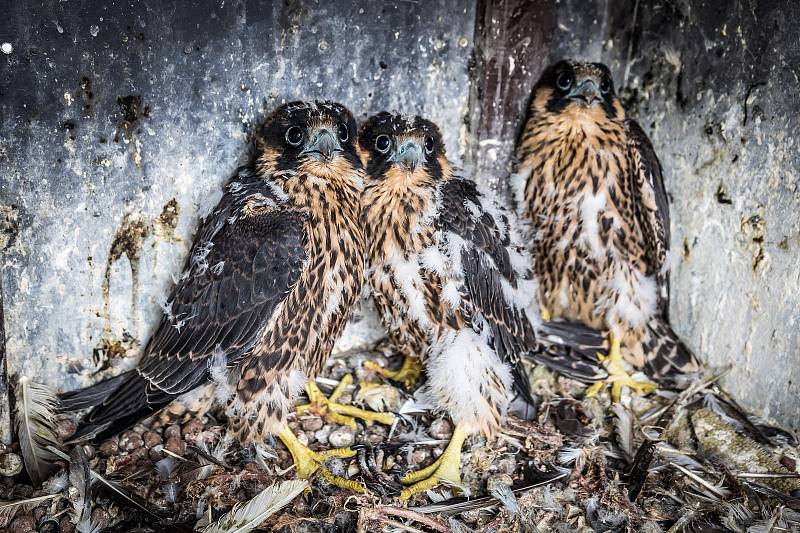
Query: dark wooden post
pixel 512 43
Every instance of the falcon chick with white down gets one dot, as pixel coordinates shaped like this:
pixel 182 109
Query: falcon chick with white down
pixel 452 283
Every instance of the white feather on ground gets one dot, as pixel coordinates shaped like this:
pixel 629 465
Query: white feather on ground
pixel 245 517
pixel 34 415
pixel 623 427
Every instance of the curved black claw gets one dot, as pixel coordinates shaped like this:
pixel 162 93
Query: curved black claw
pixel 377 480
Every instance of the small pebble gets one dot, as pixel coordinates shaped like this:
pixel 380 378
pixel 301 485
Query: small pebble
pixel 100 518
pixel 312 423
pixel 418 456
pixel 322 435
pixel 156 454
pixel 65 427
pixel 66 525
pixel 302 438
pixel 10 464
pixel 130 440
pixel 341 437
pixel 176 445
pixel 139 428
pixel 23 524
pixel 192 427
pixel 90 451
pixel 498 480
pixel 337 466
pixel 506 465
pixel 441 429
pixel 151 439
pixel 108 448
pixel 172 431
pixel 374 438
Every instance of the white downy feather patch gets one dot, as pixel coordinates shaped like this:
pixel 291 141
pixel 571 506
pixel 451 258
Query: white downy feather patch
pixel 407 276
pixel 636 296
pixel 591 206
pixel 462 375
pixel 518 182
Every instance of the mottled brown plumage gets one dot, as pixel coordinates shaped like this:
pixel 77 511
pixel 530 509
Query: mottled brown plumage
pixel 591 187
pixel 272 277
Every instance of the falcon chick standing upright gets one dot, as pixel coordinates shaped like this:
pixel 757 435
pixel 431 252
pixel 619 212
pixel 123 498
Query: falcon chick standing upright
pixel 591 186
pixel 272 277
pixel 452 282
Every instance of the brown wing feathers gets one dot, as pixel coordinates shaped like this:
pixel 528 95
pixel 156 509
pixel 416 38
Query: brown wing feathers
pixel 240 269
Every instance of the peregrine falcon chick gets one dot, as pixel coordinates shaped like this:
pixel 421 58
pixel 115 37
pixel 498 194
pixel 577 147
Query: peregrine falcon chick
pixel 452 282
pixel 272 276
pixel 590 185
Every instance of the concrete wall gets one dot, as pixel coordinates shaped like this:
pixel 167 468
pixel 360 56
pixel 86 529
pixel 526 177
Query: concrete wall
pixel 119 123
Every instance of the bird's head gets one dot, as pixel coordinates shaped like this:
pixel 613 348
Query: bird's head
pixel 405 152
pixel 577 88
pixel 317 138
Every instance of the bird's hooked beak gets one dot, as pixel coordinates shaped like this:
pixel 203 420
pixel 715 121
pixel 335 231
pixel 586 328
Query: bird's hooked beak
pixel 586 91
pixel 322 145
pixel 408 155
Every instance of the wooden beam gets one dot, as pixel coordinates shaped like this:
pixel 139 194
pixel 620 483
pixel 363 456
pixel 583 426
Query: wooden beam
pixel 512 44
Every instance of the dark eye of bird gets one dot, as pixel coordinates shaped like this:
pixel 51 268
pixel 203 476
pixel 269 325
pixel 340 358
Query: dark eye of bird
pixel 382 143
pixel 564 81
pixel 341 131
pixel 429 144
pixel 294 135
pixel 605 85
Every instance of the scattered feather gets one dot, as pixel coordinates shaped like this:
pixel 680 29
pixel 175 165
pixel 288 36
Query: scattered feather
pixel 9 509
pixel 246 517
pixel 80 480
pixel 623 427
pixel 35 412
pixel 115 488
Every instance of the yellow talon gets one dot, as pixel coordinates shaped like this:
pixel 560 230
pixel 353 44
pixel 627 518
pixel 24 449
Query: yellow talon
pixel 545 313
pixel 447 468
pixel 618 377
pixel 408 374
pixel 336 413
pixel 307 461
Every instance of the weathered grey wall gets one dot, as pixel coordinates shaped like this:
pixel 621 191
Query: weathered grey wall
pixel 716 84
pixel 120 120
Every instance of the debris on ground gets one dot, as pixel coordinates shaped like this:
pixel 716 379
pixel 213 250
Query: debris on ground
pixel 672 461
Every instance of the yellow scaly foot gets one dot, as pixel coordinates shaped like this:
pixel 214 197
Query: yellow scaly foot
pixel 408 374
pixel 447 469
pixel 618 377
pixel 307 461
pixel 337 413
pixel 545 313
